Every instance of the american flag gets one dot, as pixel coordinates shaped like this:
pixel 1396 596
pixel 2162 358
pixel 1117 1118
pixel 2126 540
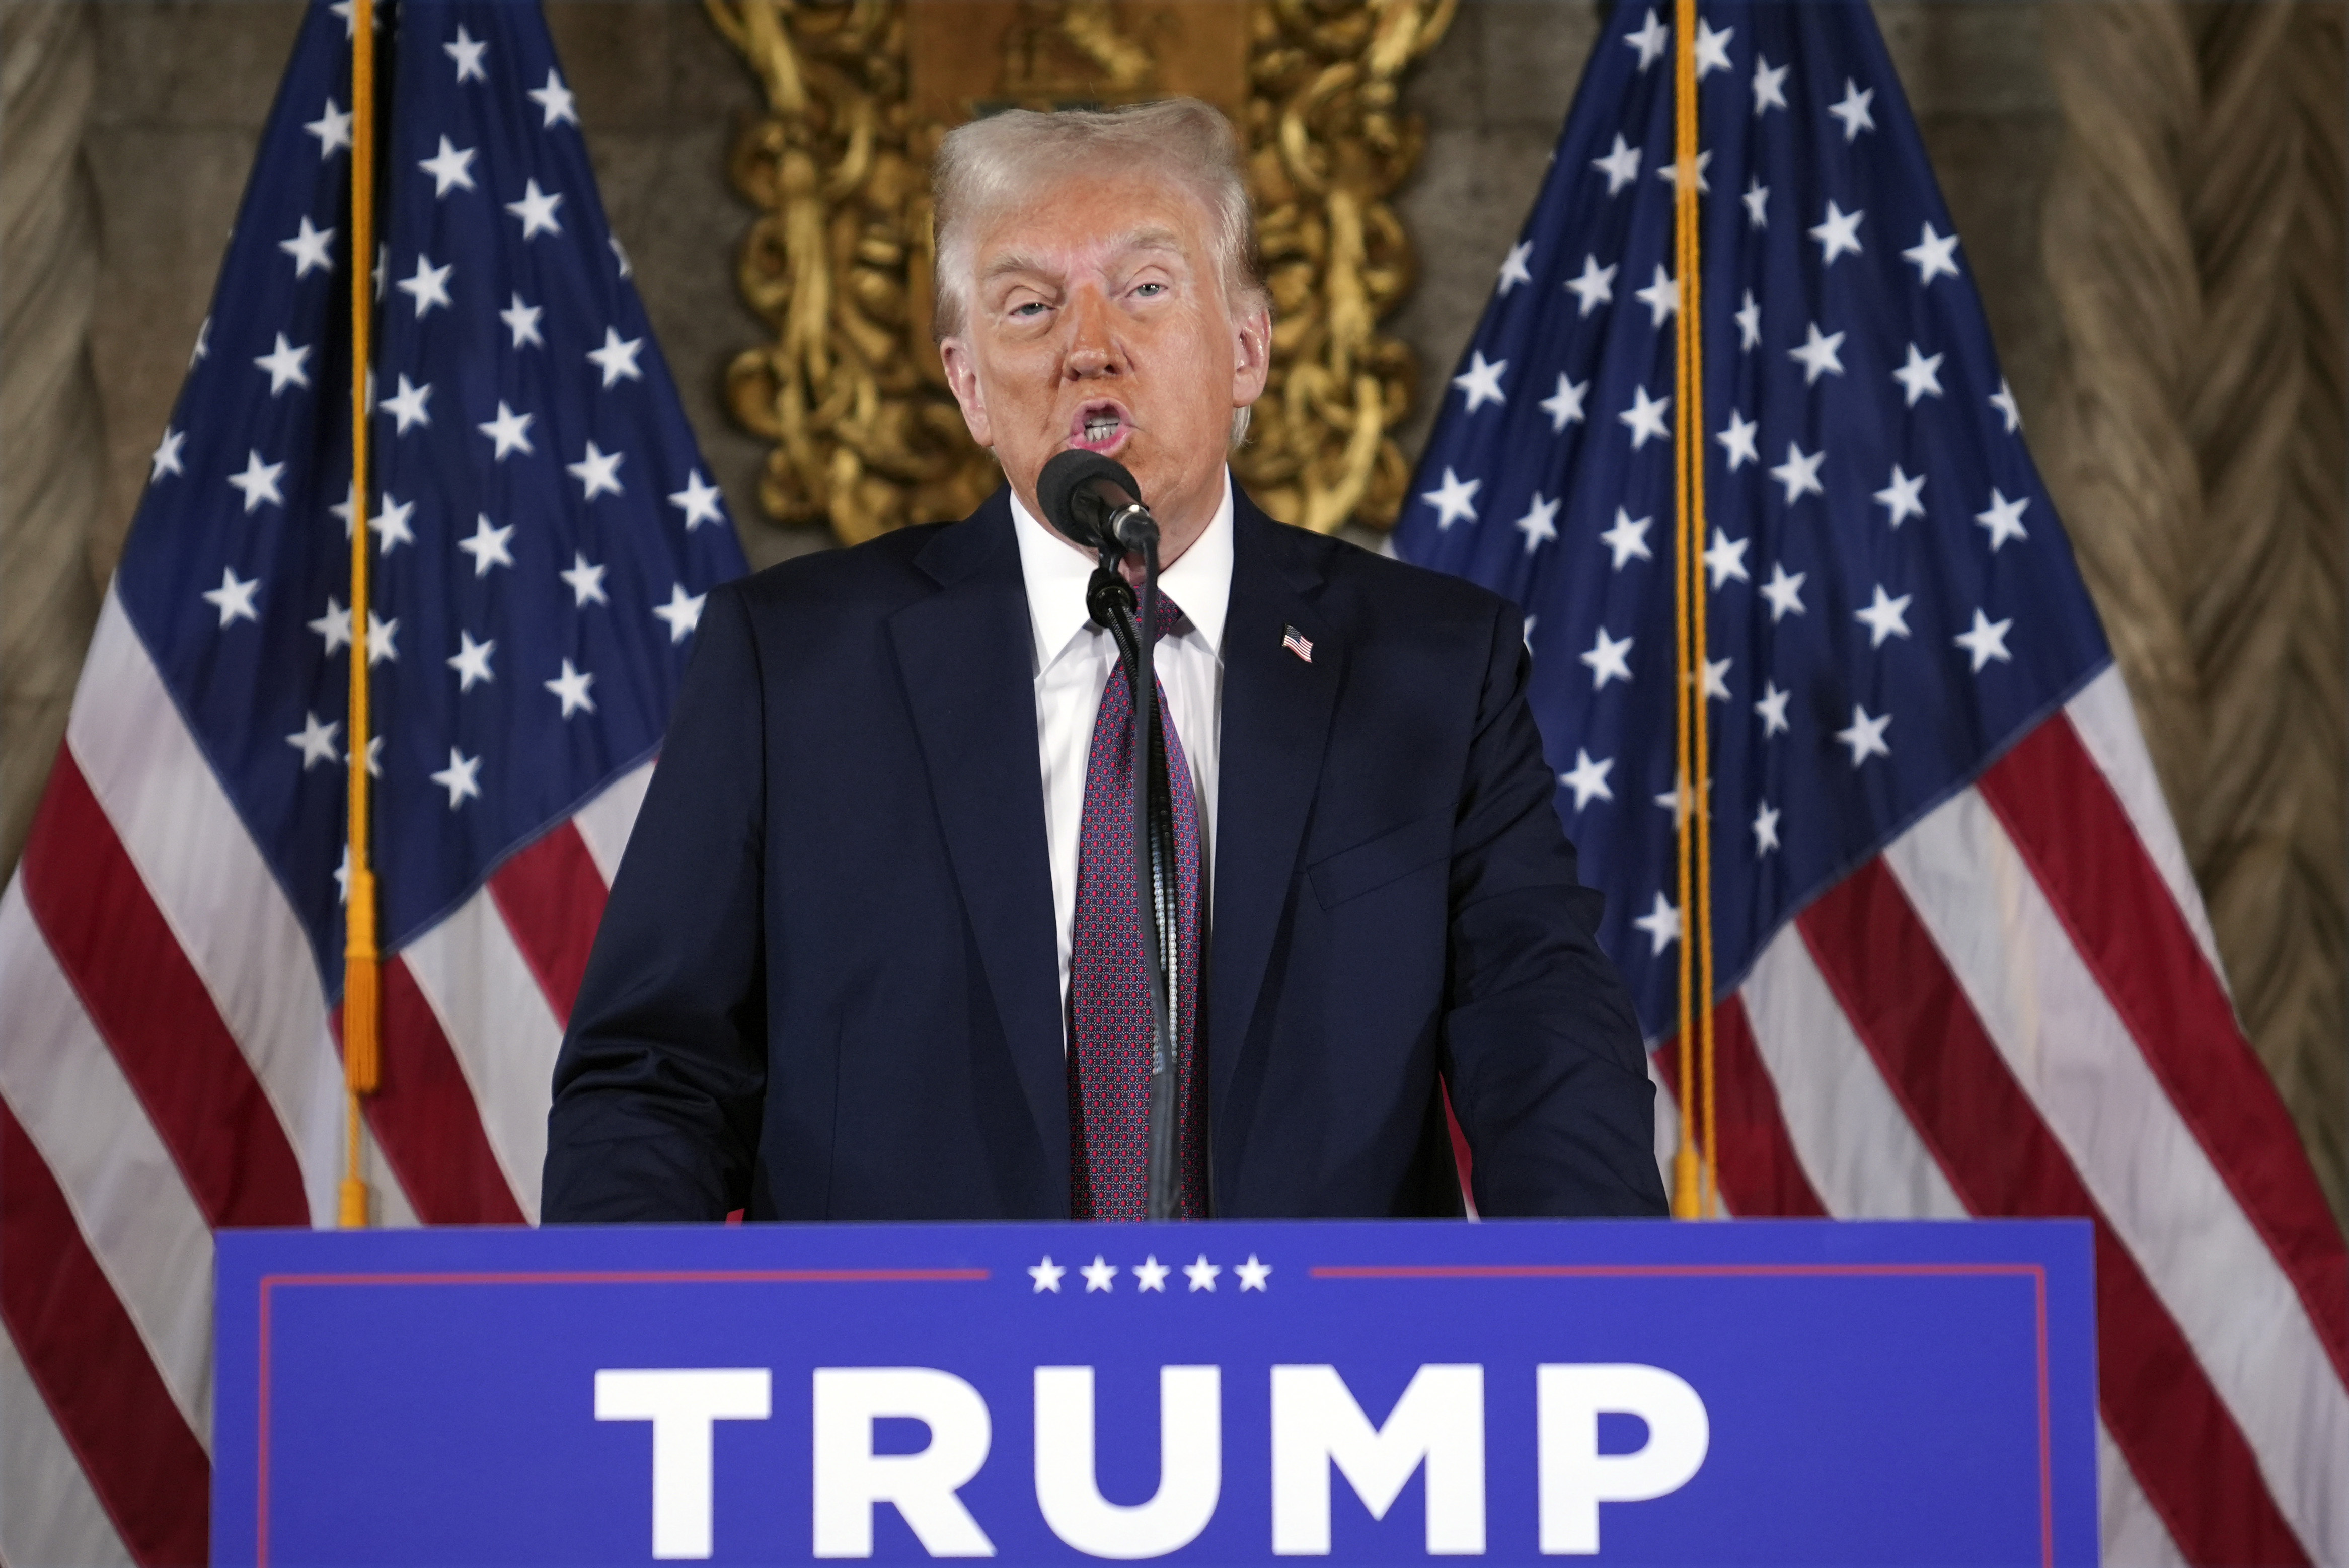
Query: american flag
pixel 171 948
pixel 1965 970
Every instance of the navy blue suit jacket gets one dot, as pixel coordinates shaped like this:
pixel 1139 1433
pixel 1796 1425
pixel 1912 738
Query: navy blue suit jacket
pixel 827 983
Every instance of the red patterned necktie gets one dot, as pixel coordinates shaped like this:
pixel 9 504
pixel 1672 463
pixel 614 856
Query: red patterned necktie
pixel 1110 1025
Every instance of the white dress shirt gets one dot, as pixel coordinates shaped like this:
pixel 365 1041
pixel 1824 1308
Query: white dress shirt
pixel 1073 658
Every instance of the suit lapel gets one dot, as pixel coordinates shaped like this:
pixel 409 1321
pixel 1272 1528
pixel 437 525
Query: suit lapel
pixel 964 655
pixel 1276 723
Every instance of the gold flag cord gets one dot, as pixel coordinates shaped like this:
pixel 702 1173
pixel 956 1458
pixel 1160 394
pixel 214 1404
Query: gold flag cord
pixel 362 1057
pixel 1693 1176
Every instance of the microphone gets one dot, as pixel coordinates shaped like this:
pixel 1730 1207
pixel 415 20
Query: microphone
pixel 1093 500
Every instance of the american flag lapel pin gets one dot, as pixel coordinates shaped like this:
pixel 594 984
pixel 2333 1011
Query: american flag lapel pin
pixel 1294 641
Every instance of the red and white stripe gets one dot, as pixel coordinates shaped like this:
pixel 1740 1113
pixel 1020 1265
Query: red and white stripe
pixel 2017 1010
pixel 169 1065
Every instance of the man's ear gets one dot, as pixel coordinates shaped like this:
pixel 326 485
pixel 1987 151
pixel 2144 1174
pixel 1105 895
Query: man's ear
pixel 962 378
pixel 1251 357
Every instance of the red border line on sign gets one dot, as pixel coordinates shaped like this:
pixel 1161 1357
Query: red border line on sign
pixel 271 1282
pixel 2036 1272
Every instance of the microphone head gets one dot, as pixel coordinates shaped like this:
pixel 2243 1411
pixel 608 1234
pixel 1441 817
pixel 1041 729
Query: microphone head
pixel 1068 491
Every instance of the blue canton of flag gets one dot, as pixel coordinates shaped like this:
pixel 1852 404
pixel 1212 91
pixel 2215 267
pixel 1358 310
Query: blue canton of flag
pixel 1891 602
pixel 545 531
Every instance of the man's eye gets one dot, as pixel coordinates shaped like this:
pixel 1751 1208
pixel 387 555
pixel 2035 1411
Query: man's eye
pixel 1150 291
pixel 1031 310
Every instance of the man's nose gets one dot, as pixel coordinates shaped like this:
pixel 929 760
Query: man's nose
pixel 1092 345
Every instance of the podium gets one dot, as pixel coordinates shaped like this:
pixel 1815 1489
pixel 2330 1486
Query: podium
pixel 1229 1393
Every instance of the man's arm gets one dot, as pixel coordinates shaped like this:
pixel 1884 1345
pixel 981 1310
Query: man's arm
pixel 657 1090
pixel 1545 1061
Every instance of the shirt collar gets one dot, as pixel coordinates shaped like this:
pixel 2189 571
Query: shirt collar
pixel 1055 575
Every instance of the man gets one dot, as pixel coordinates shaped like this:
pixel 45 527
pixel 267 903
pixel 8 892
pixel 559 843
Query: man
pixel 872 954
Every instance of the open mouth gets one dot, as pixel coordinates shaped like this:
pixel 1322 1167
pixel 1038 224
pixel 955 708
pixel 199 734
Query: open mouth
pixel 1100 428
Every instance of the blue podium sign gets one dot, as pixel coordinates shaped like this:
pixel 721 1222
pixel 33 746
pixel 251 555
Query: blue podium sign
pixel 1232 1393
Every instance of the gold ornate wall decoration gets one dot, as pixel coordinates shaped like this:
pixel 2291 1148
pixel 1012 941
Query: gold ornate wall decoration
pixel 839 262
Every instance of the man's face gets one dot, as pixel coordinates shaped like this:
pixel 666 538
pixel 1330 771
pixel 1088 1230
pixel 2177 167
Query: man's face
pixel 1098 320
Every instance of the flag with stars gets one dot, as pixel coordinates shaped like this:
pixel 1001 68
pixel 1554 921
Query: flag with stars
pixel 542 534
pixel 1964 967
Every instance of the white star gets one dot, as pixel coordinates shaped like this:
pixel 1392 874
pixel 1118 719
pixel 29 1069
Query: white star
pixel 1773 708
pixel 522 320
pixel 1513 267
pixel 259 481
pixel 450 168
pixel 1757 202
pixel 1098 1274
pixel 1588 779
pixel 407 406
pixel 1985 640
pixel 205 342
pixel 343 874
pixel 334 625
pixel 1621 166
pixel 1738 440
pixel 430 285
pixel 1671 801
pixel 1202 1275
pixel 620 254
pixel 467 52
pixel 1151 1275
pixel 461 777
pixel 1865 736
pixel 1670 174
pixel 1607 660
pixel 1539 525
pixel 683 612
pixel 1711 48
pixel 571 686
pixel 1482 381
pixel 1769 86
pixel 2004 519
pixel 332 128
pixel 1783 592
pixel 488 545
pixel 383 647
pixel 1252 1273
pixel 348 11
pixel 1818 355
pixel 374 770
pixel 1884 617
pixel 536 211
pixel 1048 1273
pixel 311 248
pixel 599 471
pixel 1749 323
pixel 1727 559
pixel 1564 405
pixel 382 274
pixel 555 100
pixel 1454 499
pixel 1662 297
pixel 1765 829
pixel 586 581
pixel 1716 682
pixel 233 598
pixel 1853 110
pixel 165 460
pixel 1645 418
pixel 1904 495
pixel 618 358
pixel 316 740
pixel 1933 255
pixel 1595 287
pixel 509 430
pixel 350 504
pixel 1663 924
pixel 1921 377
pixel 1628 538
pixel 285 363
pixel 391 524
pixel 471 662
pixel 698 500
pixel 1800 473
pixel 1650 40
pixel 2003 401
pixel 1837 232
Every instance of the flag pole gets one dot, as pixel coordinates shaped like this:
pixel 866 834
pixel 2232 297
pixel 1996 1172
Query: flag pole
pixel 1692 1175
pixel 362 1056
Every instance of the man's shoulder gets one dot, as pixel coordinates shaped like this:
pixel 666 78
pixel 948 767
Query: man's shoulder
pixel 1382 587
pixel 835 587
